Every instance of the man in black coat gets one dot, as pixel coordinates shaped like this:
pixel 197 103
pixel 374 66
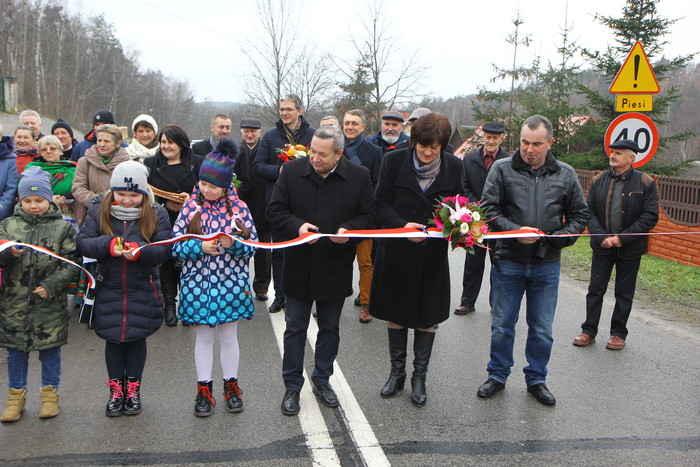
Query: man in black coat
pixel 255 199
pixel 621 201
pixel 323 193
pixel 292 129
pixel 476 167
pixel 359 150
pixel 220 128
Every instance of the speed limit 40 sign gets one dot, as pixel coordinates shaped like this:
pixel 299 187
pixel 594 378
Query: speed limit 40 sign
pixel 637 127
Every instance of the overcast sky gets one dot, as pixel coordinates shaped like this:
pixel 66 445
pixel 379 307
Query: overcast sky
pixel 457 40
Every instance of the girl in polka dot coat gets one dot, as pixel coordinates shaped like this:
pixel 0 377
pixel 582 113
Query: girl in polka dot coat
pixel 214 283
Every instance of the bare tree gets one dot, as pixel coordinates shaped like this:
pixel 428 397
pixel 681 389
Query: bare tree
pixel 282 61
pixel 393 77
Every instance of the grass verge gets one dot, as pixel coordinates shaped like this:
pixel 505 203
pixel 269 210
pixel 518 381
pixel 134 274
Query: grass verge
pixel 670 288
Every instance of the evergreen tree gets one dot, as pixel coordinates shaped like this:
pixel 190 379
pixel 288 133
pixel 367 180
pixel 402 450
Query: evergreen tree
pixel 640 22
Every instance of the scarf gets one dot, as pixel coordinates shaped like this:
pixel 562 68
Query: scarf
pixel 427 173
pixel 108 157
pixel 351 150
pixel 124 214
pixel 61 173
pixel 139 152
pixel 292 134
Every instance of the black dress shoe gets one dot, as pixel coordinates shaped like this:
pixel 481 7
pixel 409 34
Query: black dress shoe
pixel 326 395
pixel 261 296
pixel 542 394
pixel 357 301
pixel 277 305
pixel 290 403
pixel 464 309
pixel 490 388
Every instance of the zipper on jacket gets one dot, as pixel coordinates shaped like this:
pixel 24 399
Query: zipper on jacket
pixel 124 301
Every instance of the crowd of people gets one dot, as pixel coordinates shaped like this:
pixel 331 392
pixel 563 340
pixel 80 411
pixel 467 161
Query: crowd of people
pixel 105 201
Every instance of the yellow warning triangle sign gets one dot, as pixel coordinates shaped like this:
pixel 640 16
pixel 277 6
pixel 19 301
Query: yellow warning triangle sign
pixel 635 75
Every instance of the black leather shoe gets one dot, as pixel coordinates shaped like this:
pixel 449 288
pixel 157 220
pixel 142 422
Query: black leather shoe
pixel 490 388
pixel 261 296
pixel 542 394
pixel 326 395
pixel 290 403
pixel 277 305
pixel 357 301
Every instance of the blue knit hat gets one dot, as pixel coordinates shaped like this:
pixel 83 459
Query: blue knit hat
pixel 34 181
pixel 217 167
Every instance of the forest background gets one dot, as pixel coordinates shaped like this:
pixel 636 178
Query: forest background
pixel 68 65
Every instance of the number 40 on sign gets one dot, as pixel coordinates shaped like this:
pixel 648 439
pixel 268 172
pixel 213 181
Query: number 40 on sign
pixel 637 127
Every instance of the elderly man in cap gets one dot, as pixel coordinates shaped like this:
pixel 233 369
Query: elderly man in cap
pixel 391 132
pixel 624 201
pixel 255 199
pixel 476 167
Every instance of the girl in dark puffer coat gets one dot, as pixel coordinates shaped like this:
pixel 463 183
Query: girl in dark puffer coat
pixel 128 305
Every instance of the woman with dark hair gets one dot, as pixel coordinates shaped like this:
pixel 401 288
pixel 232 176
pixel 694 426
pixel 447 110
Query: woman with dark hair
pixel 411 281
pixel 174 169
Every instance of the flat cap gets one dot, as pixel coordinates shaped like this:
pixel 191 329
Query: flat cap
pixel 393 115
pixel 250 123
pixel 493 127
pixel 626 144
pixel 418 113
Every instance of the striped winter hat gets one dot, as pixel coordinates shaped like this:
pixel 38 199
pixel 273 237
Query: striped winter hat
pixel 218 166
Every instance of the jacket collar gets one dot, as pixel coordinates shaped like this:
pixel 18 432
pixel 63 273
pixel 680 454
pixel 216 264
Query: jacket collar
pixel 550 162
pixel 341 169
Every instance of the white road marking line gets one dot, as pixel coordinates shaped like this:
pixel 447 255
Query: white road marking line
pixel 312 423
pixel 360 430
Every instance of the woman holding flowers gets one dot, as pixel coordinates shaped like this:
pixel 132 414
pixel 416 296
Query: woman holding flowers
pixel 411 281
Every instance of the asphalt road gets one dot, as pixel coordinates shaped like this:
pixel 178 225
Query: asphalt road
pixel 638 406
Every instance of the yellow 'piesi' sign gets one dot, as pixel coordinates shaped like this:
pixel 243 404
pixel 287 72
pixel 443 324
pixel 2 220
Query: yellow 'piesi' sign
pixel 635 75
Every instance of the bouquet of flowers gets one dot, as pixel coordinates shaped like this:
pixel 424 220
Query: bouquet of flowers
pixel 292 151
pixel 462 222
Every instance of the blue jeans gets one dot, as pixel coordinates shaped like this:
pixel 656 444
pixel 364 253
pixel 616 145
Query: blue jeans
pixel 540 283
pixel 18 367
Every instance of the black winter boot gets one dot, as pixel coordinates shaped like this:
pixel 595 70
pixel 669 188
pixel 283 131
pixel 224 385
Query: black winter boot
pixel 397 354
pixel 115 405
pixel 233 394
pixel 132 398
pixel 422 348
pixel 170 302
pixel 205 400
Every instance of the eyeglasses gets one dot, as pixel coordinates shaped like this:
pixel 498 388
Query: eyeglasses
pixel 49 149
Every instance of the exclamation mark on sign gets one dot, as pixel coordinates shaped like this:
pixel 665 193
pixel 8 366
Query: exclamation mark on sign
pixel 636 68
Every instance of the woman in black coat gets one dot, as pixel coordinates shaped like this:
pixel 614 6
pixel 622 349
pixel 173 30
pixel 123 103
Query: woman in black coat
pixel 174 168
pixel 411 280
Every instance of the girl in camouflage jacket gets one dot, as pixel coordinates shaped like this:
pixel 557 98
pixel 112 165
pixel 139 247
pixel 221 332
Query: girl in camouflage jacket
pixel 33 303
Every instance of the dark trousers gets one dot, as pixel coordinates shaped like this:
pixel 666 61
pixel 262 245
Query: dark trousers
pixel 297 317
pixel 169 280
pixel 625 281
pixel 126 358
pixel 263 265
pixel 277 263
pixel 473 276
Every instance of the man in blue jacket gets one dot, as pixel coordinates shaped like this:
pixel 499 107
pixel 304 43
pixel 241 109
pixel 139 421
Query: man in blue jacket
pixel 292 129
pixel 621 201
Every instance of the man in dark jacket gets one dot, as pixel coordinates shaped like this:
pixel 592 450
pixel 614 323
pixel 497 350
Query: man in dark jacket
pixel 621 201
pixel 220 128
pixel 391 134
pixel 291 129
pixel 529 191
pixel 323 193
pixel 255 199
pixel 476 166
pixel 360 151
pixel 64 132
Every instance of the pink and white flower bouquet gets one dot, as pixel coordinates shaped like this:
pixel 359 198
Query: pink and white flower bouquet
pixel 462 222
